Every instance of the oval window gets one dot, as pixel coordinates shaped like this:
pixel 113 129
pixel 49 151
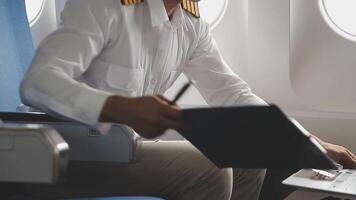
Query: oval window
pixel 33 9
pixel 213 11
pixel 341 14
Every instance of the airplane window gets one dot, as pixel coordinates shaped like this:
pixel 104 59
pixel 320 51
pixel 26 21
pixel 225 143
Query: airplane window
pixel 34 9
pixel 342 15
pixel 213 11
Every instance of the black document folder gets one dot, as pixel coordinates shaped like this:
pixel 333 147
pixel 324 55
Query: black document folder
pixel 252 137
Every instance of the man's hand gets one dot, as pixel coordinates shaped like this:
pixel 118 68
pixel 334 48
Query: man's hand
pixel 341 155
pixel 149 116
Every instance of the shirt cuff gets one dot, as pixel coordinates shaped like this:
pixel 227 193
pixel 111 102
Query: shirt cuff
pixel 89 105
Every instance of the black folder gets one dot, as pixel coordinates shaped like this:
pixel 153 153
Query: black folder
pixel 252 137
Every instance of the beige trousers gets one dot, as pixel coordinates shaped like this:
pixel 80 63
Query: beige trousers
pixel 171 170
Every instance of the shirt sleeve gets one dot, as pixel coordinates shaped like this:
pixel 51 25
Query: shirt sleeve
pixel 217 83
pixel 50 84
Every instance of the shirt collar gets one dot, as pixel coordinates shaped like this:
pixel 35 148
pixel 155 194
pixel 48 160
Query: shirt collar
pixel 178 16
pixel 159 15
pixel 158 12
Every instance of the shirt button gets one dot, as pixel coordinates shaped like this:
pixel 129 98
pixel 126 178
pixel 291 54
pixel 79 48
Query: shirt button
pixel 149 91
pixel 153 81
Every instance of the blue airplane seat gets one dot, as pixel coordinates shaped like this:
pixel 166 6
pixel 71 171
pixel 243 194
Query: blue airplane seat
pixel 16 53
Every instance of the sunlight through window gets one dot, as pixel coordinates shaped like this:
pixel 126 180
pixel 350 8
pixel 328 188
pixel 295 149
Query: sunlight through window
pixel 342 15
pixel 33 8
pixel 213 11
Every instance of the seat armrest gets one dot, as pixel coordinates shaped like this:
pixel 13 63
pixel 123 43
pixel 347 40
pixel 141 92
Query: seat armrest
pixel 86 143
pixel 31 154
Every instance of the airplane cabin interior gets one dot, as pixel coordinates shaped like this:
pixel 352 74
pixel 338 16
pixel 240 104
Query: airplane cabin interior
pixel 296 54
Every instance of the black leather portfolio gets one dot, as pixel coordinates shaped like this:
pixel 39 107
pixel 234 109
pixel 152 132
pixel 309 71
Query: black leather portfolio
pixel 252 137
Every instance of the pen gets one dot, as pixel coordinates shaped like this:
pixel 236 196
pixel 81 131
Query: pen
pixel 182 91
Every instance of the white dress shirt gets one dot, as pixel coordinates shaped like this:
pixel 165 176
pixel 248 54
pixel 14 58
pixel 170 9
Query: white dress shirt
pixel 103 48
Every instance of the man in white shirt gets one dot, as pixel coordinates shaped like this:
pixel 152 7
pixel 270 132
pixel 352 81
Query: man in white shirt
pixel 109 62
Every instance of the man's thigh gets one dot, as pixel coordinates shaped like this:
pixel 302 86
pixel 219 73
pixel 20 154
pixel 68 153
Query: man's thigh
pixel 165 169
pixel 247 183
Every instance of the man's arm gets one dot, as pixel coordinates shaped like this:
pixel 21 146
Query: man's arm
pixel 50 84
pixel 220 86
pixel 215 80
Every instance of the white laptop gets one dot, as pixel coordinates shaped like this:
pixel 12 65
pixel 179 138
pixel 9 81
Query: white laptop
pixel 335 181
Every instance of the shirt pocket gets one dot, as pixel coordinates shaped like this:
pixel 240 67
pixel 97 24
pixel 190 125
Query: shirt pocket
pixel 124 81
